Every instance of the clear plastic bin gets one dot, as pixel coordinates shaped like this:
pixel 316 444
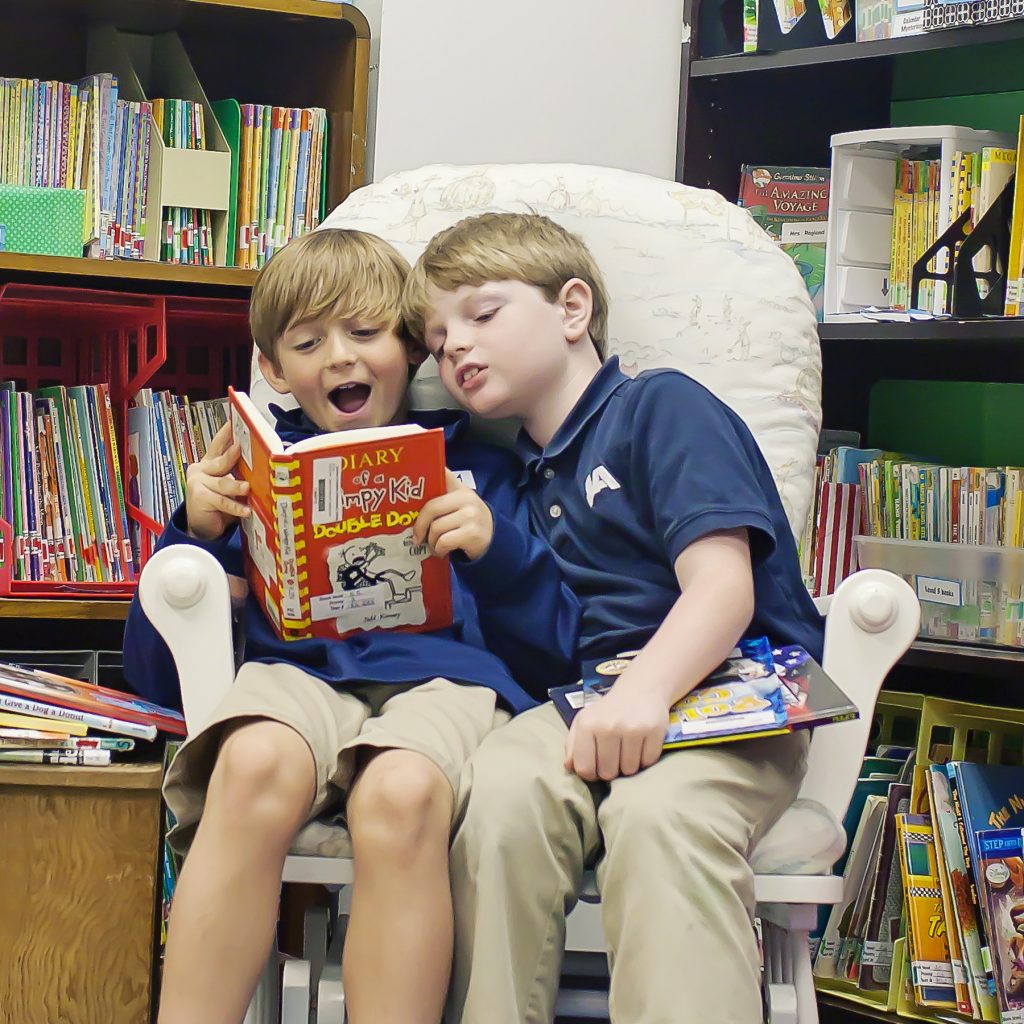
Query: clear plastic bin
pixel 969 593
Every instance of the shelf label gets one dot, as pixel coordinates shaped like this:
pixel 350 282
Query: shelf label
pixel 935 590
pixel 877 954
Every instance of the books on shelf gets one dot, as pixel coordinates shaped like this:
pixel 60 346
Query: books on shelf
pixel 281 175
pixel 959 893
pixel 186 233
pixel 757 691
pixel 328 542
pixel 1015 264
pixel 791 204
pixel 47 718
pixel 60 485
pixel 81 135
pixel 166 434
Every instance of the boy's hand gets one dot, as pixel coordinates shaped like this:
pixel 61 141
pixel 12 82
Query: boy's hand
pixel 213 497
pixel 457 521
pixel 620 734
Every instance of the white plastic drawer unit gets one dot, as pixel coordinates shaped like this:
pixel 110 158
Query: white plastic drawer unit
pixel 859 237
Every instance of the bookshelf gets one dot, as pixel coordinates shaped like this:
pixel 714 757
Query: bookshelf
pixel 782 108
pixel 297 53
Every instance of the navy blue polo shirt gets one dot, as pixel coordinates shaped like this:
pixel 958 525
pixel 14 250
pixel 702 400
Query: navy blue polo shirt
pixel 639 470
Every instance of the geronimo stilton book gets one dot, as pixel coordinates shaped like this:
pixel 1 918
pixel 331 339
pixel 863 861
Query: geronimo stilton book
pixel 328 543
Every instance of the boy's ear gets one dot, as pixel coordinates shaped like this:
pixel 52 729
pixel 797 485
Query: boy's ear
pixel 577 302
pixel 272 372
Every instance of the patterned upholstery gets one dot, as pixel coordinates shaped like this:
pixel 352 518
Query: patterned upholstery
pixel 694 284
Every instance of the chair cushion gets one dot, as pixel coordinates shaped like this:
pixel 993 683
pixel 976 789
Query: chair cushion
pixel 694 284
pixel 323 837
pixel 806 840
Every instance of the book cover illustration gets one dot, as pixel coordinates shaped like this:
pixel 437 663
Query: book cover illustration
pixel 930 966
pixel 791 204
pixel 961 890
pixel 743 697
pixel 811 696
pixel 329 542
pixel 41 687
pixel 1001 877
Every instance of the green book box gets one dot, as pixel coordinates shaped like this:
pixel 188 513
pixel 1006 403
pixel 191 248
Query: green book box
pixel 960 423
pixel 45 221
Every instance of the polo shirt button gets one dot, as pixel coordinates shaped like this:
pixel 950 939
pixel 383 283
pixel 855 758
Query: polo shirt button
pixel 555 511
pixel 549 474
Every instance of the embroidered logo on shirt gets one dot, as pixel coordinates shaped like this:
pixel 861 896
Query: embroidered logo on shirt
pixel 599 480
pixel 465 477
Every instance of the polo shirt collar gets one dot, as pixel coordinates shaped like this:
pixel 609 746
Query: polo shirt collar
pixel 606 381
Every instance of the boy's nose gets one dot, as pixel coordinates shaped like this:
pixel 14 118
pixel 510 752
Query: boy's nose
pixel 459 339
pixel 341 352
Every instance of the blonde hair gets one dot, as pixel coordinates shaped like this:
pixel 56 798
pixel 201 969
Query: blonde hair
pixel 331 272
pixel 523 247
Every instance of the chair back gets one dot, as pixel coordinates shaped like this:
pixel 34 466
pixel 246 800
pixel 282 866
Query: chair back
pixel 693 282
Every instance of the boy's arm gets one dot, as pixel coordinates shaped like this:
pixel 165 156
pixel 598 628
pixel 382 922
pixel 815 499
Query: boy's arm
pixel 624 731
pixel 148 665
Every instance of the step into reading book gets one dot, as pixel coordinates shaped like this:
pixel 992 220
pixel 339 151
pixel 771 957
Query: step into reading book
pixel 328 544
pixel 758 691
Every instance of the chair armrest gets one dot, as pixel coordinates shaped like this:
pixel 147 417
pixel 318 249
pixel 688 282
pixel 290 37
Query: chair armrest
pixel 873 618
pixel 184 593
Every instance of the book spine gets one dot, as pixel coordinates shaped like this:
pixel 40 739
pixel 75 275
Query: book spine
pixel 21 706
pixel 91 758
pixel 289 516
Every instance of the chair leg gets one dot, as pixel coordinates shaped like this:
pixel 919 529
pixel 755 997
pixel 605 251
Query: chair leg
pixel 803 978
pixel 295 992
pixel 780 995
pixel 266 999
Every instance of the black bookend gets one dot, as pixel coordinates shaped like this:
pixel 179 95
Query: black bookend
pixel 948 242
pixel 978 293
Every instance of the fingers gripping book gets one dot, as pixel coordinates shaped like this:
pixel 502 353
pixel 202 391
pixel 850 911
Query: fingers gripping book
pixel 328 543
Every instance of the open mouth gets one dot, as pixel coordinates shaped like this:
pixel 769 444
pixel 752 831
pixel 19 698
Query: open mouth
pixel 469 374
pixel 350 398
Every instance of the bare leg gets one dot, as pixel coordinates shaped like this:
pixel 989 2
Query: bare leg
pixel 225 905
pixel 398 948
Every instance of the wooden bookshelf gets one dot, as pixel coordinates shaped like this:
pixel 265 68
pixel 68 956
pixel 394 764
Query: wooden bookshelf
pixel 70 608
pixel 125 270
pixel 812 56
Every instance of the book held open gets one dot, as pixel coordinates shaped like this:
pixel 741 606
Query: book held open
pixel 328 544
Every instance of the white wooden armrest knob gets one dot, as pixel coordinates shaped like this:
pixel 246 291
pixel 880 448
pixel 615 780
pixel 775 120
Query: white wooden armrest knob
pixel 182 583
pixel 874 608
pixel 184 593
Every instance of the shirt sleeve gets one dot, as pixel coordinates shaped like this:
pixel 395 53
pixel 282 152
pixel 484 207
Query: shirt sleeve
pixel 148 665
pixel 696 468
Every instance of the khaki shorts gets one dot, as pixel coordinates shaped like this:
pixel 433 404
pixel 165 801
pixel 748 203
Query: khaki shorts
pixel 441 720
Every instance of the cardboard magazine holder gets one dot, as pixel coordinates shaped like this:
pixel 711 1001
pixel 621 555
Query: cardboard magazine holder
pixel 157 67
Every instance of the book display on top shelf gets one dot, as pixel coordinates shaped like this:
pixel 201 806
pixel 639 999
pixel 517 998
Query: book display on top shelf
pixel 877 232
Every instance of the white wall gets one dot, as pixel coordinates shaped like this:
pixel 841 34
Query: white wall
pixel 586 81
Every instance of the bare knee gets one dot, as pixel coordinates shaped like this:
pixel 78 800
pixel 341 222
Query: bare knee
pixel 399 806
pixel 264 778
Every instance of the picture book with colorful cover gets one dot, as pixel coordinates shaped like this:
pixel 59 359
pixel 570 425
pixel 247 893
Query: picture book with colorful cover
pixel 329 549
pixel 928 949
pixel 1001 880
pixel 66 702
pixel 743 697
pixel 791 204
pixel 963 895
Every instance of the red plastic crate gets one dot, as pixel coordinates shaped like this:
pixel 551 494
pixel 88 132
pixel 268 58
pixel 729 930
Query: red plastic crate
pixel 68 336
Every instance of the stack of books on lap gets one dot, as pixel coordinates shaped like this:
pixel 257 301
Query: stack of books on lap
pixel 759 690
pixel 51 719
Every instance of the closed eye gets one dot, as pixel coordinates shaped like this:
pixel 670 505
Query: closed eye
pixel 305 346
pixel 484 317
pixel 365 333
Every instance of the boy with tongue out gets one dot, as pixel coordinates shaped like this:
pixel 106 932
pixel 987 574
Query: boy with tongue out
pixel 377 726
